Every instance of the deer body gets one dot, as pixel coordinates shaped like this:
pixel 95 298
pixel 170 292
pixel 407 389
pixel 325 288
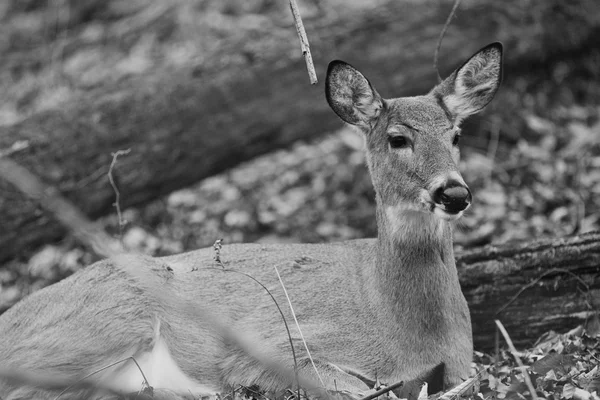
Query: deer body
pixel 389 308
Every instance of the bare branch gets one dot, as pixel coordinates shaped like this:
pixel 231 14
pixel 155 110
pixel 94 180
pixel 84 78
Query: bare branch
pixel 442 34
pixel 312 74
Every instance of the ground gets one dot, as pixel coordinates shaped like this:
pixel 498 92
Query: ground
pixel 543 180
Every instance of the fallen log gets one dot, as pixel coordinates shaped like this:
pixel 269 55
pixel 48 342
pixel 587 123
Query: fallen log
pixel 532 287
pixel 192 121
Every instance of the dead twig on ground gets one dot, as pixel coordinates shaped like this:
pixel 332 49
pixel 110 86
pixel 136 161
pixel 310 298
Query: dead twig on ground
pixel 384 390
pixel 517 359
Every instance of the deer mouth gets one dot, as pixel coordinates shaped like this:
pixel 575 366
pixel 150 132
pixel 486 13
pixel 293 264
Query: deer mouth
pixel 445 214
pixel 440 210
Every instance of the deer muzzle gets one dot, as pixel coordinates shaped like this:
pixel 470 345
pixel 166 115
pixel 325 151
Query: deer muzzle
pixel 452 197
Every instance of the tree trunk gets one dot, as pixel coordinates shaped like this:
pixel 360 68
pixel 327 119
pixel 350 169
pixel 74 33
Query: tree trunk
pixel 532 287
pixel 191 122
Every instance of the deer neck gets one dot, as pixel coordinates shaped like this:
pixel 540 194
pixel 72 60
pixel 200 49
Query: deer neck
pixel 414 273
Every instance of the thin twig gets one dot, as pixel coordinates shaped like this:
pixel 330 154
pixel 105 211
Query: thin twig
pixel 384 390
pixel 442 34
pixel 539 278
pixel 511 346
pixel 312 74
pixel 117 204
pixel 298 326
pixel 102 369
pixel 592 354
pixel 459 390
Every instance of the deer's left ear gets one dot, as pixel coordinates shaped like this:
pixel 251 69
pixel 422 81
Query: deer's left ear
pixel 472 86
pixel 351 95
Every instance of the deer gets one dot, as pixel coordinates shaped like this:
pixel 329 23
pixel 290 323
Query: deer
pixel 386 309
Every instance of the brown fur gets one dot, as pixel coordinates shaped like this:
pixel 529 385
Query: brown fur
pixel 389 308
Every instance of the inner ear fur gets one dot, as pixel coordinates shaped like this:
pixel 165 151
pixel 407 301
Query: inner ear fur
pixel 351 95
pixel 473 85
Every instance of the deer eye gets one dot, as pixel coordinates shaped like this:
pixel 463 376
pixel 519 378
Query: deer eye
pixel 456 139
pixel 398 142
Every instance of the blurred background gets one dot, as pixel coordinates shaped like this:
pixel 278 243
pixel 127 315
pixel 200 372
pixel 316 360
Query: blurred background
pixel 229 141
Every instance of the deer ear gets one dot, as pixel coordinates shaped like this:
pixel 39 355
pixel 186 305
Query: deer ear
pixel 351 95
pixel 472 86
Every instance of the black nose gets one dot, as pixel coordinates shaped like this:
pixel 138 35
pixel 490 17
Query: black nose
pixel 454 196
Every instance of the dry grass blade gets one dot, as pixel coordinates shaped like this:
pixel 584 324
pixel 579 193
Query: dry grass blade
pixel 298 326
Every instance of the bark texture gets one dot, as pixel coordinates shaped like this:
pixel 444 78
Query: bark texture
pixel 532 287
pixel 190 122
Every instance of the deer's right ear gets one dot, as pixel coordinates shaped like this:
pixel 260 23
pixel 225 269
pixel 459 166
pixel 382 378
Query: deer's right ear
pixel 351 95
pixel 472 86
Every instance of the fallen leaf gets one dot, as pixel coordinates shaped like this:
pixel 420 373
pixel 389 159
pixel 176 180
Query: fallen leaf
pixel 558 363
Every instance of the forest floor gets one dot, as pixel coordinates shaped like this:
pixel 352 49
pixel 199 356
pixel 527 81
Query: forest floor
pixel 544 181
